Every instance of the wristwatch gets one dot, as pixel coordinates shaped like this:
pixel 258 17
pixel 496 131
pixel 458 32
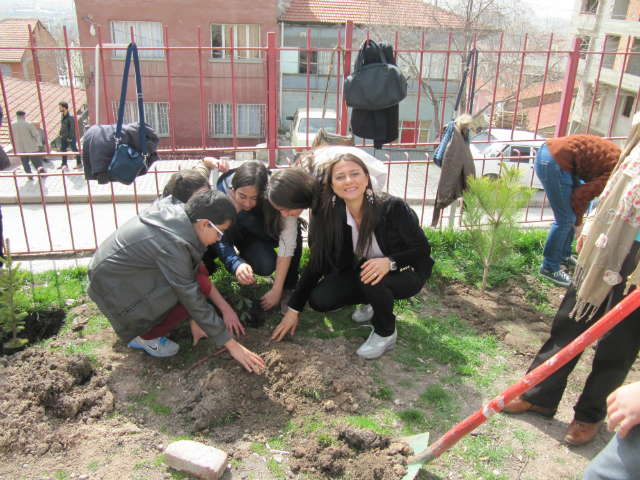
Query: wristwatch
pixel 393 266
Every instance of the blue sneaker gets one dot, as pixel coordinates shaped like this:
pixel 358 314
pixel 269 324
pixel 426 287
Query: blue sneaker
pixel 560 278
pixel 570 262
pixel 158 347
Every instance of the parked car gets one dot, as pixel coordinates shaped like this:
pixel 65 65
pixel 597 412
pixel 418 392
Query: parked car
pixel 299 122
pixel 514 149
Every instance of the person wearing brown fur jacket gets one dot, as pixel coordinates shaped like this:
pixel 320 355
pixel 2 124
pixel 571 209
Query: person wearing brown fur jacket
pixel 562 164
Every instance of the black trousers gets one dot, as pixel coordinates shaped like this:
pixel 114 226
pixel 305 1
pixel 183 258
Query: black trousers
pixel 616 351
pixel 37 163
pixel 66 144
pixel 341 289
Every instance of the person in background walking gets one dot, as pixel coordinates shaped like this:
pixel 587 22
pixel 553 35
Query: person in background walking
pixel 561 164
pixel 25 141
pixel 68 135
pixel 42 141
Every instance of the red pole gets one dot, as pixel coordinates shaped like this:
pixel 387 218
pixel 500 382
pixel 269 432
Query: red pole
pixel 272 85
pixel 37 75
pixel 233 92
pixel 515 111
pixel 544 84
pixel 308 82
pixel 24 225
pixel 171 124
pixel 104 83
pixel 73 96
pixel 417 129
pixel 7 113
pixel 567 89
pixel 597 84
pixel 204 134
pixel 93 218
pixel 338 84
pixel 348 44
pixel 66 200
pixel 495 89
pixel 446 82
pixel 602 326
pixel 622 72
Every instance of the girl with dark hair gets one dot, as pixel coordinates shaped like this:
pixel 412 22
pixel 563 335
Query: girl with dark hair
pixel 256 237
pixel 146 278
pixel 289 193
pixel 183 184
pixel 370 249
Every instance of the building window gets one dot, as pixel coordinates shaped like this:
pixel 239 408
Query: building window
pixel 146 34
pixel 627 109
pixel 156 114
pixel 584 47
pixel 612 43
pixel 408 131
pixel 249 120
pixel 243 36
pixel 313 66
pixel 589 6
pixel 6 70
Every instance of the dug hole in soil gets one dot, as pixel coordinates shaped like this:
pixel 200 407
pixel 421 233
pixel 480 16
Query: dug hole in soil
pixel 61 411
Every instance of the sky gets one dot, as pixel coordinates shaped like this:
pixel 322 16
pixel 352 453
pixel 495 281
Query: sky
pixel 552 8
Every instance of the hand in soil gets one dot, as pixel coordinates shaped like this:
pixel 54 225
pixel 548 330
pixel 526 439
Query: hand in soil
pixel 270 299
pixel 624 406
pixel 232 322
pixel 196 331
pixel 248 359
pixel 289 322
pixel 244 274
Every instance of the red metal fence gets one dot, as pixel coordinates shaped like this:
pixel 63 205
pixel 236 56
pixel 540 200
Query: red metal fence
pixel 515 81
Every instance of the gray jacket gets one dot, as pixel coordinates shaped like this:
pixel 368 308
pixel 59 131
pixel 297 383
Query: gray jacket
pixel 145 268
pixel 24 136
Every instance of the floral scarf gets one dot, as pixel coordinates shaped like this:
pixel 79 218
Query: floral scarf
pixel 611 233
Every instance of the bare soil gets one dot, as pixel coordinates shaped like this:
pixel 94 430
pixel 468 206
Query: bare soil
pixel 66 414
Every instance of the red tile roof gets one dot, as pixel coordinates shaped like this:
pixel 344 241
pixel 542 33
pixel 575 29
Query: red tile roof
pixel 548 116
pixel 23 95
pixel 14 32
pixel 414 13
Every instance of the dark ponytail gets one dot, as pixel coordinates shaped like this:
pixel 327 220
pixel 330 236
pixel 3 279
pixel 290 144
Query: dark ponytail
pixel 183 184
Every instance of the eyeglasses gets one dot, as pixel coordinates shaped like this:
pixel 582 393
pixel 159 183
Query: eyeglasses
pixel 212 225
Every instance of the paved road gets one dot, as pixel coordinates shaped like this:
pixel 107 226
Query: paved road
pixel 50 228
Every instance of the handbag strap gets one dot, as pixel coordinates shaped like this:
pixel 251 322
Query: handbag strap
pixel 465 72
pixel 326 91
pixel 360 59
pixel 132 50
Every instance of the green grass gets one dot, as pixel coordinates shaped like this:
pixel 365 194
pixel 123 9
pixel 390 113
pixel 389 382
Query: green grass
pixel 86 348
pixel 373 422
pixel 93 466
pixel 415 420
pixel 61 475
pixel 51 289
pixel 259 448
pixel 150 401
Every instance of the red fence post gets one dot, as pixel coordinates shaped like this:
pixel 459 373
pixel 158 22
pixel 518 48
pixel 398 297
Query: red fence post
pixel 567 89
pixel 348 45
pixel 272 87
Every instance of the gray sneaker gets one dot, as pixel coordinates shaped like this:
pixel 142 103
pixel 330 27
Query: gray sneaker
pixel 560 278
pixel 376 345
pixel 570 262
pixel 158 347
pixel 364 313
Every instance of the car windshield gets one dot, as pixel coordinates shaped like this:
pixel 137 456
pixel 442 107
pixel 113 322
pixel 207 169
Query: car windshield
pixel 329 125
pixel 485 147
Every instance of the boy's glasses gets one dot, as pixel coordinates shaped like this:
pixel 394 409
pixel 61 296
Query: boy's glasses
pixel 212 225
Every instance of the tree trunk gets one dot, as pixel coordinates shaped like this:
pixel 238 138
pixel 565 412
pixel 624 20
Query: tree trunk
pixel 484 279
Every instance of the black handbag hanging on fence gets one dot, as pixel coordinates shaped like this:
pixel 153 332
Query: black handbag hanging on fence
pixel 127 162
pixel 374 86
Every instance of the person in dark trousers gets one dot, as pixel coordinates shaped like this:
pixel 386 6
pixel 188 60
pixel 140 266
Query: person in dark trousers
pixel 370 249
pixel 68 135
pixel 25 142
pixel 607 270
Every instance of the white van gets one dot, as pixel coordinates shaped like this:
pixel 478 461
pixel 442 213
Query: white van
pixel 504 143
pixel 299 122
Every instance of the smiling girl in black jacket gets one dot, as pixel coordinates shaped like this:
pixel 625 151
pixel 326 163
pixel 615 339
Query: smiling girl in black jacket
pixel 369 248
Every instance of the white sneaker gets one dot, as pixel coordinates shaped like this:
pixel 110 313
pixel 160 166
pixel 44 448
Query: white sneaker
pixel 158 347
pixel 376 345
pixel 364 313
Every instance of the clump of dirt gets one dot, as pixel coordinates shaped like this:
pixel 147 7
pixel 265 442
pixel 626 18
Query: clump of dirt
pixel 38 326
pixel 356 453
pixel 300 379
pixel 38 384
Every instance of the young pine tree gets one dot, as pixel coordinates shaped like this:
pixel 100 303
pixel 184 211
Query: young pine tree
pixel 492 208
pixel 10 278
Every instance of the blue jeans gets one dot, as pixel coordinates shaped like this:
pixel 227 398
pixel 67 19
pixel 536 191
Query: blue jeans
pixel 558 185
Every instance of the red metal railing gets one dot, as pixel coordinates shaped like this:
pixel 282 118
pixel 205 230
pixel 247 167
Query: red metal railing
pixel 411 175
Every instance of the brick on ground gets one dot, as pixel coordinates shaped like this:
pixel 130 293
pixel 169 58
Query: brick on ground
pixel 196 459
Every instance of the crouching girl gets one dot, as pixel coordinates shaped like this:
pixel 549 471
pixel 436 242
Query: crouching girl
pixel 147 277
pixel 370 249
